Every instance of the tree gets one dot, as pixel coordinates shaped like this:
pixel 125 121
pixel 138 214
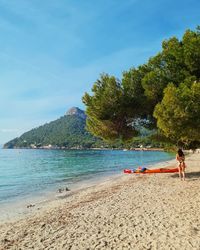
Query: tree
pixel 135 101
pixel 191 44
pixel 107 110
pixel 145 93
pixel 178 115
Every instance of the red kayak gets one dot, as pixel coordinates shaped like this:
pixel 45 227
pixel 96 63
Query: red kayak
pixel 151 171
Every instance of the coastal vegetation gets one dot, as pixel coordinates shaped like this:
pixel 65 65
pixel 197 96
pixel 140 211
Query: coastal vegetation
pixel 68 132
pixel 162 94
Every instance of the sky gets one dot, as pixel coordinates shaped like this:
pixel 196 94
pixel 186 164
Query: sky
pixel 52 51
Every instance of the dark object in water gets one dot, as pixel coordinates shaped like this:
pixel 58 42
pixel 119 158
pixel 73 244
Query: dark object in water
pixel 31 205
pixel 60 190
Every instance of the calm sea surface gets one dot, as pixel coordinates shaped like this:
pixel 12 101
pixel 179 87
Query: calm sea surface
pixel 26 173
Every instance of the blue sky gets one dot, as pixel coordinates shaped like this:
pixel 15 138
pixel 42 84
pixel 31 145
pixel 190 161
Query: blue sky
pixel 51 52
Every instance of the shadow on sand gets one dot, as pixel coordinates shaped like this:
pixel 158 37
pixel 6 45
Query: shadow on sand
pixel 191 175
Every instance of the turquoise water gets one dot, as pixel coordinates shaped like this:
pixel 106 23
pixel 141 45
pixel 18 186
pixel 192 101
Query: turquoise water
pixel 25 173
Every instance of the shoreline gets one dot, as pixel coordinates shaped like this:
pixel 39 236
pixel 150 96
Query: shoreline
pixel 63 148
pixel 25 205
pixel 30 204
pixel 157 211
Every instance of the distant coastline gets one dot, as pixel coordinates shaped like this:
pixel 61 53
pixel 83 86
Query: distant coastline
pixel 50 147
pixel 69 132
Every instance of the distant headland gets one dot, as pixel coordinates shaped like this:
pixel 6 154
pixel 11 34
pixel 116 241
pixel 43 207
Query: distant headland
pixel 67 132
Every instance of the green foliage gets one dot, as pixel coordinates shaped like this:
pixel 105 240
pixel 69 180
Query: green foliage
pixel 107 117
pixel 68 131
pixel 178 115
pixel 135 102
pixel 165 88
pixel 191 45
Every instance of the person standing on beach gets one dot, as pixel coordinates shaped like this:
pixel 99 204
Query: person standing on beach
pixel 180 157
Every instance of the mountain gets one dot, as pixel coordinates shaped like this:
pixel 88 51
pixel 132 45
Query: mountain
pixel 77 112
pixel 66 132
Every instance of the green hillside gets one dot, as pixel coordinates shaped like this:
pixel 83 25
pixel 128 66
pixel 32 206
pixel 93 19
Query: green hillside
pixel 67 132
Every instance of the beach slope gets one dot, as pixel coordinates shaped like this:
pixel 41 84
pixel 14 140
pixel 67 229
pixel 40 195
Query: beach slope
pixel 155 211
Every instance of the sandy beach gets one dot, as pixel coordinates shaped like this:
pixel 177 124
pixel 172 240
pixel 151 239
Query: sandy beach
pixel 156 211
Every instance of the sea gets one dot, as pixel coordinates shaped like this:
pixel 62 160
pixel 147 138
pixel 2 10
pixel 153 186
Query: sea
pixel 31 175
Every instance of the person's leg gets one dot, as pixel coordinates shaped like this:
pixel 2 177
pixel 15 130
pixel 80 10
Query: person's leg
pixel 179 170
pixel 183 173
pixel 183 170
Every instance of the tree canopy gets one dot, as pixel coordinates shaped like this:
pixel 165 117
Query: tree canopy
pixel 164 92
pixel 107 115
pixel 178 113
